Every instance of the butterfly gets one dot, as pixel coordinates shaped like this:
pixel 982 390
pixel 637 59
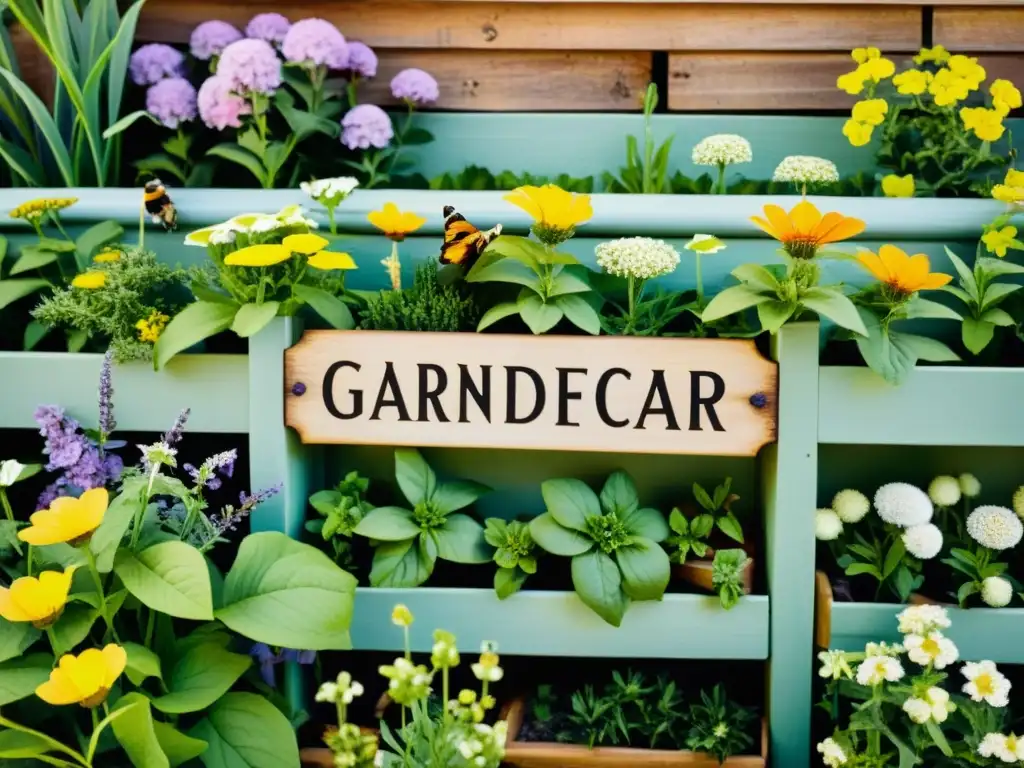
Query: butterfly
pixel 463 243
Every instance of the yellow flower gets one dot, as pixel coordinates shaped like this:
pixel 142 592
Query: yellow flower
pixel 998 240
pixel 904 274
pixel 870 111
pixel 898 186
pixel 264 255
pixel 938 54
pixel 555 212
pixel 327 260
pixel 85 679
pixel 90 280
pixel 987 124
pixel 947 89
pixel 878 69
pixel 107 255
pixel 33 210
pixel 305 244
pixel 851 82
pixel 40 601
pixel 803 230
pixel 1008 194
pixel 859 134
pixel 1014 178
pixel 151 328
pixel 967 68
pixel 401 616
pixel 862 55
pixel 68 520
pixel 1005 96
pixel 913 82
pixel 395 224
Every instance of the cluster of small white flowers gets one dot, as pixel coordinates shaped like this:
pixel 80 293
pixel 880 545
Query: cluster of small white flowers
pixel 969 485
pixel 986 683
pixel 265 224
pixel 944 491
pixel 1009 749
pixel 485 744
pixel 722 149
pixel 835 665
pixel 923 541
pixel 903 504
pixel 933 649
pixel 934 705
pixel 832 754
pixel 995 527
pixel 875 670
pixel 996 591
pixel 330 190
pixel 827 525
pixel 922 619
pixel 637 257
pixel 158 453
pixel 343 690
pixel 224 235
pixel 883 649
pixel 851 505
pixel 805 169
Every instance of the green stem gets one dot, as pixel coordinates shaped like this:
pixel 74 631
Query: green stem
pixel 142 223
pixel 6 504
pixel 351 91
pixel 28 561
pixel 98 581
pixel 720 184
pixel 150 626
pixel 444 693
pixel 141 512
pixel 54 645
pixel 400 139
pixel 51 741
pixel 262 289
pixel 700 283
pixel 631 288
pixel 330 219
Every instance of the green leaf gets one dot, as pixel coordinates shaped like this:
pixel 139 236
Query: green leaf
pixel 456 495
pixel 966 276
pixel 244 730
pixel 35 332
pixel 504 271
pixel 570 502
pixel 678 522
pixel 566 283
pixel 703 498
pixel 976 334
pixel 142 663
pixel 169 577
pixel 19 745
pixel 95 237
pixel 619 495
pixel 305 124
pixel 508 581
pixel 20 677
pixel 194 323
pixel 73 626
pixel 328 306
pixel 19 288
pixel 388 524
pixel 855 569
pixel 598 582
pixel 646 522
pixel 925 309
pixel 538 315
pixel 998 317
pixel 45 124
pixel 645 569
pixel 32 258
pixel 15 638
pixel 116 521
pixel 135 733
pixel 525 251
pixel 461 540
pixel 966 590
pixel 490 317
pixel 242 157
pixel 773 314
pixel 835 306
pixel 931 350
pixel 414 476
pixel 400 564
pixel 757 276
pixel 580 313
pixel 733 300
pixel 997 292
pixel 127 121
pixel 200 677
pixel 21 162
pixel 730 526
pixel 553 538
pixel 178 747
pixel 253 318
pixel 893 557
pixel 282 592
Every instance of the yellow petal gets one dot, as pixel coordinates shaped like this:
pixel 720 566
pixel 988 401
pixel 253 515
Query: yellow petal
pixel 11 610
pixel 844 229
pixel 805 217
pixel 1014 178
pixel 305 244
pixel 523 197
pixel 92 508
pixel 90 280
pixel 779 221
pixel 916 270
pixel 874 265
pixel 935 280
pixel 264 255
pixel 327 260
pixel 59 689
pixel 765 226
pixel 114 661
pixel 200 236
pixel 385 218
pixel 894 260
pixel 87 671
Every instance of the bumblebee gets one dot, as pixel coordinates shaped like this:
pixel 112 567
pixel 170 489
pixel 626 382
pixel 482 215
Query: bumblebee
pixel 159 205
pixel 463 243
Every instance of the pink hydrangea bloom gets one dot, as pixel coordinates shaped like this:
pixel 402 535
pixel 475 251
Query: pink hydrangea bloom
pixel 172 101
pixel 315 42
pixel 219 106
pixel 210 38
pixel 271 27
pixel 251 66
pixel 362 61
pixel 152 63
pixel 414 86
pixel 366 126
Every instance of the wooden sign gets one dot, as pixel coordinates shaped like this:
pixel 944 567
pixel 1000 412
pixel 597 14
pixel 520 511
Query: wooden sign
pixel 571 393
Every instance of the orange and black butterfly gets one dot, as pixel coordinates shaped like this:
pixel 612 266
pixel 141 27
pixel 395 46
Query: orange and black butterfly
pixel 463 243
pixel 159 205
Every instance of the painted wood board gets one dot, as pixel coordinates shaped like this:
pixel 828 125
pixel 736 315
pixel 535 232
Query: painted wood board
pixel 968 29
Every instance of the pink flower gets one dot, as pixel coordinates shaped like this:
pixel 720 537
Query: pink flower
pixel 212 37
pixel 251 66
pixel 315 42
pixel 219 107
pixel 152 63
pixel 414 86
pixel 362 61
pixel 172 101
pixel 271 27
pixel 366 126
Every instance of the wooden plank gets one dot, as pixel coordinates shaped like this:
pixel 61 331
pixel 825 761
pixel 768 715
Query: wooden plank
pixel 522 80
pixel 967 29
pixel 1006 66
pixel 35 68
pixel 553 26
pixel 756 81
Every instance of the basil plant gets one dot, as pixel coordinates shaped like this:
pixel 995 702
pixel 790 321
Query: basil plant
pixel 613 542
pixel 408 542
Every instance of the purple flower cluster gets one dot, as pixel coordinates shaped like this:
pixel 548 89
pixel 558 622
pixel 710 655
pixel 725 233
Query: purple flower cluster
pixel 271 27
pixel 107 423
pixel 267 659
pixel 362 61
pixel 366 126
pixel 250 66
pixel 317 43
pixel 210 39
pixel 219 106
pixel 173 436
pixel 71 452
pixel 414 86
pixel 205 476
pixel 152 63
pixel 172 101
pixel 230 517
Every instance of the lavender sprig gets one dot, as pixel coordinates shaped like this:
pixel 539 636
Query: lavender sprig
pixel 173 437
pixel 229 518
pixel 107 424
pixel 205 476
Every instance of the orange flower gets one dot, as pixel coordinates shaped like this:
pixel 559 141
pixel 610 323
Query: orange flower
pixel 803 230
pixel 903 273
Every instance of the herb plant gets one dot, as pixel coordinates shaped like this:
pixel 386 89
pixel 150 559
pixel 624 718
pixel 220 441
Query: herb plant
pixel 645 173
pixel 719 726
pixel 982 295
pixel 426 306
pixel 727 575
pixel 341 510
pixel 409 541
pixel 476 178
pixel 514 552
pixel 613 543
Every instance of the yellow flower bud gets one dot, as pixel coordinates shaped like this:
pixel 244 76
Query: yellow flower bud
pixel 898 186
pixel 401 616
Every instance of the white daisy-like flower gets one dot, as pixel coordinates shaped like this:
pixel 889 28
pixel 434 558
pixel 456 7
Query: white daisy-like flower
pixel 851 505
pixel 986 683
pixel 834 665
pixel 1018 501
pixel 918 710
pixel 805 169
pixel 827 525
pixel 705 244
pixel 875 670
pixel 332 190
pixel 969 485
pixel 223 235
pixel 637 257
pixel 922 619
pixel 722 149
pixel 934 648
pixel 996 591
pixel 883 649
pixel 903 504
pixel 832 754
pixel 923 541
pixel 934 705
pixel 1009 749
pixel 265 224
pixel 944 491
pixel 995 527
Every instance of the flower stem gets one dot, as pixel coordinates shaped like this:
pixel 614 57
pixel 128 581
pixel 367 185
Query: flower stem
pixel 104 612
pixel 53 642
pixel 142 222
pixel 700 283
pixel 54 744
pixel 330 219
pixel 720 184
pixel 6 504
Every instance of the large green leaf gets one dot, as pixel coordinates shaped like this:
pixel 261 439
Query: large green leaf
pixel 108 536
pixel 733 300
pixel 645 569
pixel 461 540
pixel 200 677
pixel 539 316
pixel 774 314
pixel 832 304
pixel 757 276
pixel 73 627
pixel 19 160
pixel 242 157
pixel 566 283
pixel 919 308
pixel 19 288
pixel 253 318
pixel 285 593
pixel 127 121
pixel 194 323
pixel 507 271
pixel 570 502
pixel 20 677
pixel 403 564
pixel 597 581
pixel 45 124
pixel 458 494
pixel 142 663
pixel 32 258
pixel 15 638
pixel 619 495
pixel 388 524
pixel 169 577
pixel 328 306
pixel 580 312
pixel 135 732
pixel 19 745
pixel 244 730
pixel 494 314
pixel 556 539
pixel 646 522
pixel 95 237
pixel 977 334
pixel 414 476
pixel 178 747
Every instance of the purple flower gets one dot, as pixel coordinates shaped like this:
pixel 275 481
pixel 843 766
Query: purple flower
pixel 315 42
pixel 172 101
pixel 173 436
pixel 267 659
pixel 219 107
pixel 414 86
pixel 107 422
pixel 362 61
pixel 251 66
pixel 271 27
pixel 210 39
pixel 70 450
pixel 366 126
pixel 206 475
pixel 152 63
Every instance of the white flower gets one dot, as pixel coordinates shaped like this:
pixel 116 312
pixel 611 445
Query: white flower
pixel 996 591
pixel 827 525
pixel 970 485
pixel 1018 501
pixel 224 235
pixel 638 257
pixel 883 649
pixel 1009 749
pixel 903 504
pixel 851 505
pixel 356 689
pixel 722 149
pixel 158 453
pixel 705 244
pixel 832 754
pixel 995 527
pixel 328 692
pixel 11 472
pixel 918 710
pixel 934 706
pixel 265 224
pixel 986 683
pixel 944 491
pixel 804 169
pixel 878 669
pixel 923 541
pixel 332 191
pixel 834 665
pixel 934 648
pixel 922 619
